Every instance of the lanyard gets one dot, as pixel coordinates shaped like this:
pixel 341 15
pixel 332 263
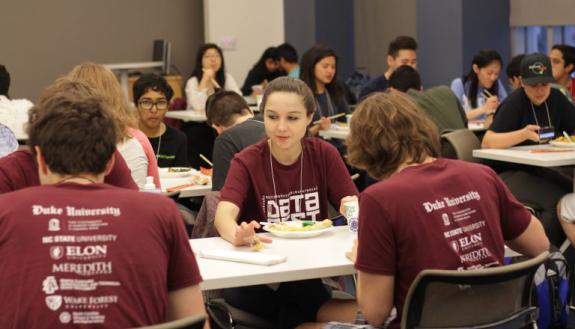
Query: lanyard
pixel 330 109
pixel 535 116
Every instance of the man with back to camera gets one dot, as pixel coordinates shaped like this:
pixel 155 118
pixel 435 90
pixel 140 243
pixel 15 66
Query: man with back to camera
pixel 289 60
pixel 80 240
pixel 534 114
pixel 563 64
pixel 152 95
pixel 401 51
pixel 513 72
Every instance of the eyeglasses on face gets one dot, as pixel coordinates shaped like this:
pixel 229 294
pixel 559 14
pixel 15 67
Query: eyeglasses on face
pixel 147 104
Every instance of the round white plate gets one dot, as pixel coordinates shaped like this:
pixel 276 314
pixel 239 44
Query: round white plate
pixel 296 234
pixel 165 173
pixel 562 144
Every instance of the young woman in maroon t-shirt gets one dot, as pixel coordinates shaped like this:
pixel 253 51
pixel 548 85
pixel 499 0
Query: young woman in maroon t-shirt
pixel 284 169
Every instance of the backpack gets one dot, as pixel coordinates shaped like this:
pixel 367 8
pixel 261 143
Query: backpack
pixel 550 290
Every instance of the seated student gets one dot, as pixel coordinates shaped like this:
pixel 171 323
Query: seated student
pixel 132 143
pixel 289 60
pixel 8 142
pixel 319 72
pixel 285 177
pixel 229 114
pixel 208 76
pixel 563 64
pixel 401 51
pixel 263 72
pixel 528 111
pixel 480 91
pixel 18 170
pixel 424 208
pixel 513 71
pixel 152 95
pixel 440 104
pixel 15 109
pixel 74 231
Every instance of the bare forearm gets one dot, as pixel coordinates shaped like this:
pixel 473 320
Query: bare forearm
pixel 225 220
pixel 473 114
pixel 502 140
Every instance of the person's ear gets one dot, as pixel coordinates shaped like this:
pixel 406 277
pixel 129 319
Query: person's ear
pixel 390 62
pixel 521 81
pixel 475 68
pixel 42 166
pixel 109 165
pixel 219 129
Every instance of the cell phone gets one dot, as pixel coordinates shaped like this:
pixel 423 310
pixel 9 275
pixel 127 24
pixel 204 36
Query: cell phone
pixel 546 133
pixel 339 220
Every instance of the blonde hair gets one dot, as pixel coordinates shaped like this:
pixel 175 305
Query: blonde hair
pixel 103 80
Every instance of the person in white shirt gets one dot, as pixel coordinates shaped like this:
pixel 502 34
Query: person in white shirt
pixel 13 112
pixel 208 76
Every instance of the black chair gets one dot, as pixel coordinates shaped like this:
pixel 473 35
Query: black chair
pixel 192 322
pixel 497 297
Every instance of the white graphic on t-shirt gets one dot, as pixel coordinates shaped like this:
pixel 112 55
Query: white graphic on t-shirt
pixel 84 268
pixel 54 225
pixel 455 246
pixel 41 210
pixel 445 218
pixel 86 252
pixel 65 317
pixel 475 255
pixel 470 241
pixel 54 302
pixel 79 238
pixel 450 202
pixel 85 285
pixel 464 229
pixel 88 317
pixel 49 285
pixel 463 214
pixel 296 205
pixel 86 225
pixel 84 212
pixel 56 252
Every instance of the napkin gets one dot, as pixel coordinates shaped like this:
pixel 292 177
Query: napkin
pixel 250 257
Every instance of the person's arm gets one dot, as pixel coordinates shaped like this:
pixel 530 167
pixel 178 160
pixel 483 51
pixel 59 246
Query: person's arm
pixel 508 139
pixel 532 241
pixel 228 229
pixel 375 296
pixel 185 302
pixel 232 85
pixel 488 108
pixel 196 95
pixel 223 154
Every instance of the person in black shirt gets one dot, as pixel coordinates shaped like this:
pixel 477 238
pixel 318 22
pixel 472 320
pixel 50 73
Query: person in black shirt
pixel 229 114
pixel 265 70
pixel 525 113
pixel 152 95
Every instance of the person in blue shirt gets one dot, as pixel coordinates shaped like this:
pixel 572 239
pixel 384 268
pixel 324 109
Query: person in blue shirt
pixel 480 91
pixel 8 142
pixel 289 60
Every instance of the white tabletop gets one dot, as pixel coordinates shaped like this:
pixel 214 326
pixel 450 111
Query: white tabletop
pixel 188 192
pixel 317 257
pixel 187 115
pixel 134 65
pixel 476 126
pixel 336 133
pixel 525 155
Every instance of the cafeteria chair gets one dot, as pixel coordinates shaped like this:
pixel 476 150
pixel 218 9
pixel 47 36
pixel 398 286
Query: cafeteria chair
pixel 225 316
pixel 459 144
pixel 191 322
pixel 496 297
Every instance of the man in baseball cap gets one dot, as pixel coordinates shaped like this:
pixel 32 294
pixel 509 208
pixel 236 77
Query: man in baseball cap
pixel 534 114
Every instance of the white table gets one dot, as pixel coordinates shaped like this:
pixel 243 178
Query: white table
pixel 124 68
pixel 476 126
pixel 316 257
pixel 187 115
pixel 524 155
pixel 188 192
pixel 338 133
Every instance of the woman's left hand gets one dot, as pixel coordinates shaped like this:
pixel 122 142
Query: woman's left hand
pixel 352 254
pixel 346 199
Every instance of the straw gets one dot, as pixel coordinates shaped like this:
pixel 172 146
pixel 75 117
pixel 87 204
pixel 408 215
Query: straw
pixel 331 117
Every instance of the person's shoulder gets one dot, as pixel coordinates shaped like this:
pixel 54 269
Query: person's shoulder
pixel 22 158
pixel 252 153
pixel 175 132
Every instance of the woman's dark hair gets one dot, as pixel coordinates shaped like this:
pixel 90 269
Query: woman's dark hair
pixel 198 71
pixel 481 59
pixel 307 67
pixel 224 106
pixel 270 53
pixel 404 78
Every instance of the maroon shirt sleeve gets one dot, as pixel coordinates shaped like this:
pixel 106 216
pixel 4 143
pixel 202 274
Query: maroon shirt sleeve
pixel 339 181
pixel 237 186
pixel 514 216
pixel 120 174
pixel 17 171
pixel 183 269
pixel 376 251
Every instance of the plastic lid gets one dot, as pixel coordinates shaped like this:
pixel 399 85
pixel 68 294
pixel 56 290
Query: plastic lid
pixel 150 183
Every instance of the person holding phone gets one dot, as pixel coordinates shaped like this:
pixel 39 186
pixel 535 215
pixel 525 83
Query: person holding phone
pixel 534 114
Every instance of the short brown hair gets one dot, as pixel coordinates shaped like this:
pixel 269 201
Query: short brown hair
pixel 290 85
pixel 223 107
pixel 387 130
pixel 75 133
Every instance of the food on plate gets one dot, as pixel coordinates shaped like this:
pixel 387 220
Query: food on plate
pixel 563 139
pixel 200 180
pixel 179 169
pixel 300 226
pixel 206 171
pixel 256 245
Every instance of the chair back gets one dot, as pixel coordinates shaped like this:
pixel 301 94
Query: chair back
pixel 459 144
pixel 494 297
pixel 191 322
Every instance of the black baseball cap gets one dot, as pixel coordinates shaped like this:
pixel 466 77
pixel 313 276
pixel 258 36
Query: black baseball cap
pixel 536 69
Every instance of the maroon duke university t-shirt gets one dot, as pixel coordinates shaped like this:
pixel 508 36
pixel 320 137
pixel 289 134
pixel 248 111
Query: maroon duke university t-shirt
pixel 90 256
pixel 444 215
pixel 302 189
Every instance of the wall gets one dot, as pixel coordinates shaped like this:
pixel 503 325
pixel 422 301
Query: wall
pixel 42 40
pixel 537 12
pixel 376 24
pixel 300 24
pixel 252 25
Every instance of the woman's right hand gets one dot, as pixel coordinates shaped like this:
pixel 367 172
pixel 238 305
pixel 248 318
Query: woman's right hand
pixel 324 123
pixel 491 105
pixel 245 234
pixel 531 132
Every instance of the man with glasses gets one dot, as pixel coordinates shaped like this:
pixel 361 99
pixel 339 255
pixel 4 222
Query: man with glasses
pixel 563 65
pixel 152 96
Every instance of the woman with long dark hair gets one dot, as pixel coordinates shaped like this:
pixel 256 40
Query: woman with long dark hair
pixel 319 72
pixel 480 91
pixel 209 75
pixel 264 71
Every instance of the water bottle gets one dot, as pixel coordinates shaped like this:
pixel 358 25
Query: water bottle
pixel 351 213
pixel 150 186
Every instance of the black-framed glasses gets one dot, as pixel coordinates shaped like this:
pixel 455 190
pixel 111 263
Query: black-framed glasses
pixel 147 104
